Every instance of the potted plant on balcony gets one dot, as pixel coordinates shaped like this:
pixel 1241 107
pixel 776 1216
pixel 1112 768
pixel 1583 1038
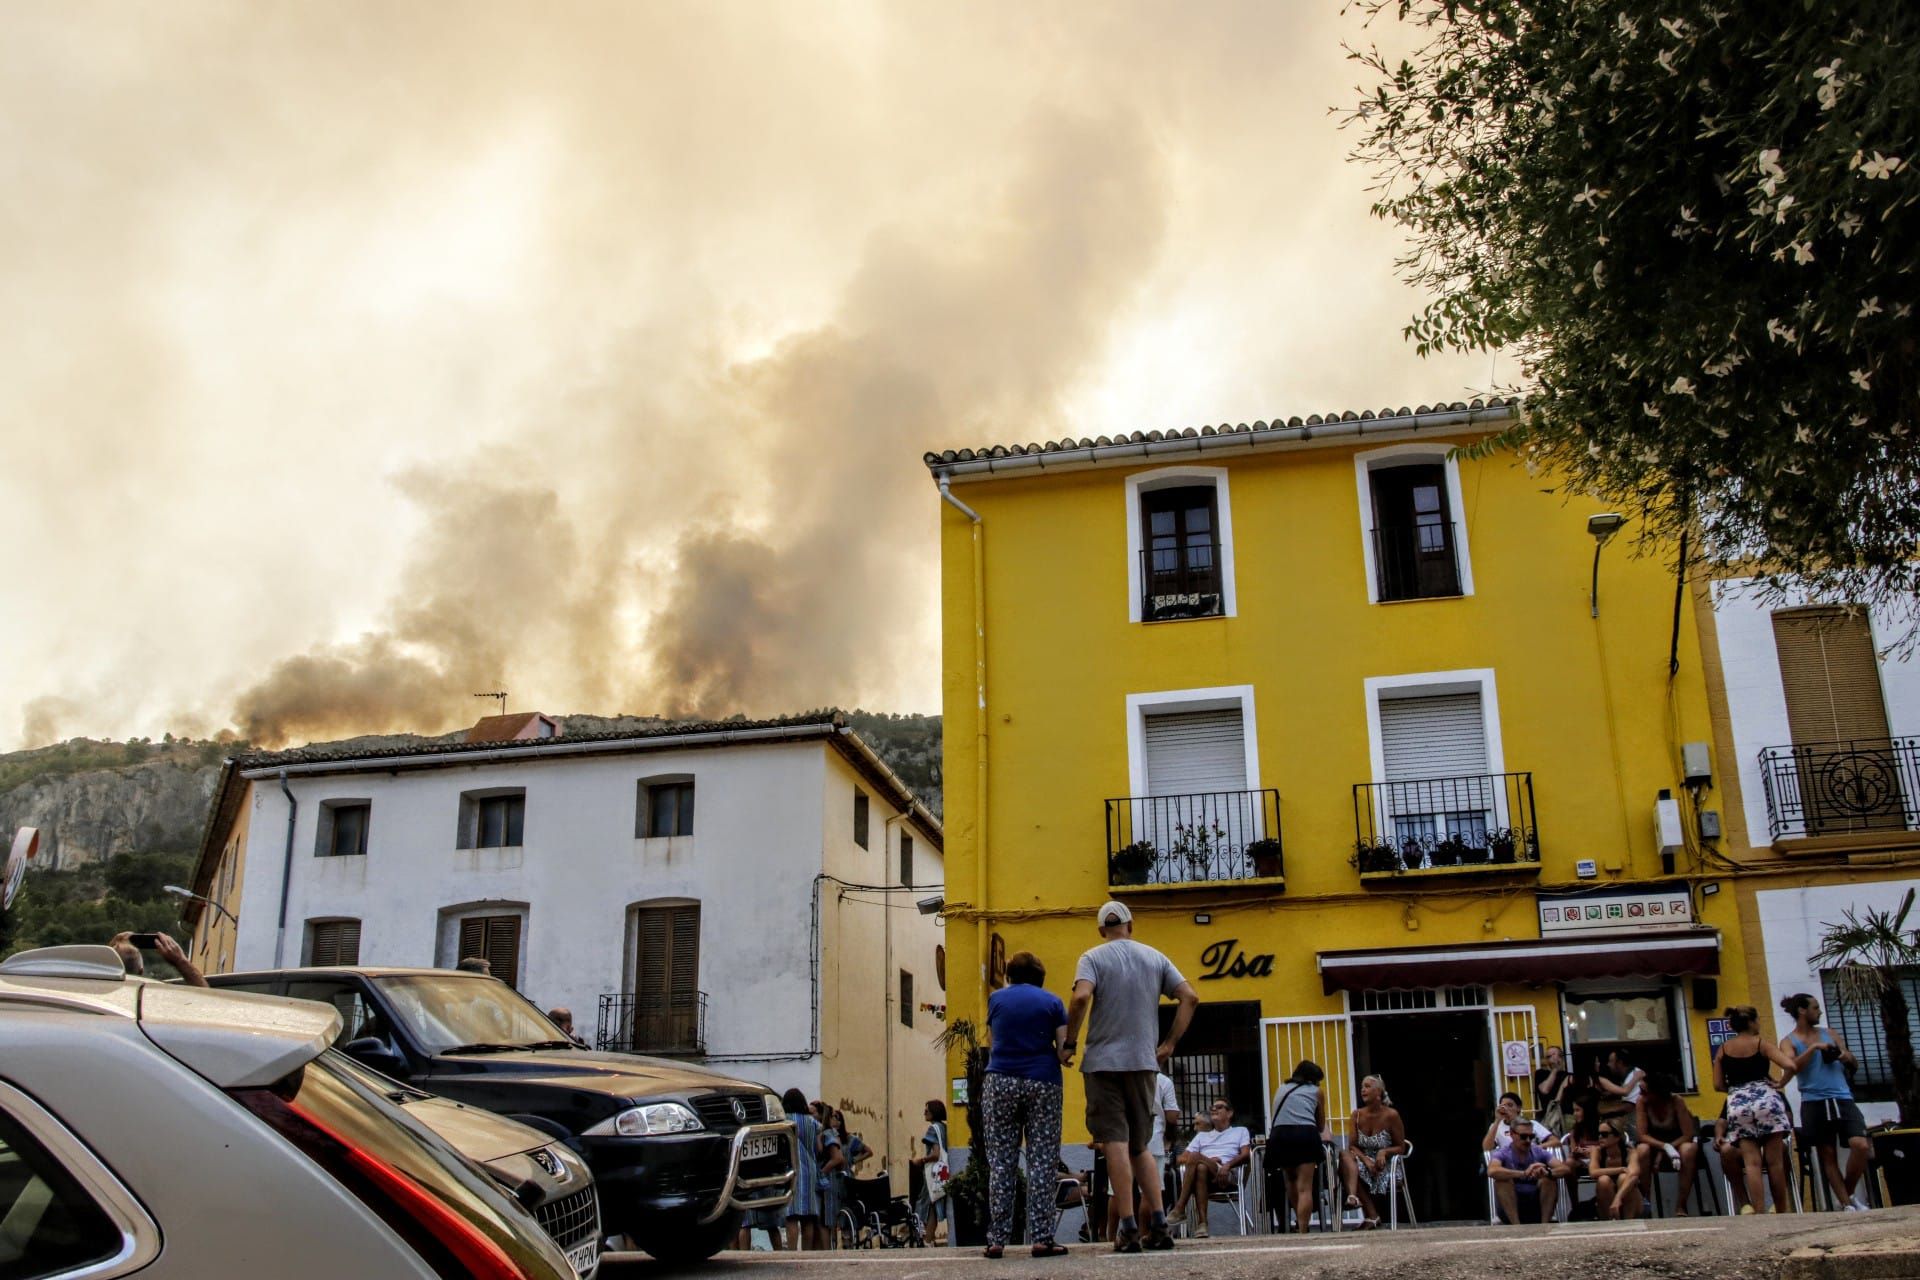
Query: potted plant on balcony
pixel 1450 851
pixel 1502 844
pixel 1132 864
pixel 1414 853
pixel 1266 858
pixel 1374 855
pixel 1198 843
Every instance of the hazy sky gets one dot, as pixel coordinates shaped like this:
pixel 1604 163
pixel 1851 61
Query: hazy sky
pixel 363 356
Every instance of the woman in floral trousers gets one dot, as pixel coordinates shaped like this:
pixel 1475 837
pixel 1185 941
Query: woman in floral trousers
pixel 1027 1026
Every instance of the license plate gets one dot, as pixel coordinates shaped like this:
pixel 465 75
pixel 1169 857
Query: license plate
pixel 764 1144
pixel 583 1258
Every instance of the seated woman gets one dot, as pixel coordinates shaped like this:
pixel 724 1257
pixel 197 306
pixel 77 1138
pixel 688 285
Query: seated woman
pixel 1378 1136
pixel 1616 1180
pixel 1574 1151
pixel 1666 1126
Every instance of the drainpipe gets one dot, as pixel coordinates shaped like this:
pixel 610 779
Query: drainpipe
pixel 286 873
pixel 979 740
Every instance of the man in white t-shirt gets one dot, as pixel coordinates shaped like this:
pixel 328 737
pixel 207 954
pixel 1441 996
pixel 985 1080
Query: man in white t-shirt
pixel 1209 1161
pixel 1166 1117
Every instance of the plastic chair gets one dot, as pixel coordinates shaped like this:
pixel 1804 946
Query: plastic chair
pixel 1397 1190
pixel 1794 1172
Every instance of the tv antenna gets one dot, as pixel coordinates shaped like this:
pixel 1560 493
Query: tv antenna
pixel 502 696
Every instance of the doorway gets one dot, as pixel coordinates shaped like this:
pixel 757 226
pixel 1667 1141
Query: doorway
pixel 1219 1057
pixel 1438 1067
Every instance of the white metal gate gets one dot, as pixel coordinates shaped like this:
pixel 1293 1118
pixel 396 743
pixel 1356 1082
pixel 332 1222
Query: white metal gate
pixel 1326 1041
pixel 1510 1023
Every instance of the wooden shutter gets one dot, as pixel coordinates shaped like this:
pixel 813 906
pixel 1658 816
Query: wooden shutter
pixel 495 939
pixel 333 942
pixel 1831 675
pixel 666 979
pixel 1195 751
pixel 1438 737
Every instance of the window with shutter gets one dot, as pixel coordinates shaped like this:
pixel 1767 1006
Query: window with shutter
pixel 1182 556
pixel 906 998
pixel 1196 774
pixel 343 828
pixel 333 942
pixel 1435 753
pixel 1845 761
pixel 860 817
pixel 495 939
pixel 667 808
pixel 666 979
pixel 906 859
pixel 492 819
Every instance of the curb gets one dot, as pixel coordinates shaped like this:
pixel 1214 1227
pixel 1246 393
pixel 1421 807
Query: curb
pixel 1893 1259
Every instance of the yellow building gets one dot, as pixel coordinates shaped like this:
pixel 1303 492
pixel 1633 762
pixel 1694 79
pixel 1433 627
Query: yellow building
pixel 1345 718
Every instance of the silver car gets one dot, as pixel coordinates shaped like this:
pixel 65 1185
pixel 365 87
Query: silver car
pixel 184 1132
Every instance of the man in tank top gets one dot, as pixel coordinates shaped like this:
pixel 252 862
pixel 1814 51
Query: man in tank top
pixel 1828 1115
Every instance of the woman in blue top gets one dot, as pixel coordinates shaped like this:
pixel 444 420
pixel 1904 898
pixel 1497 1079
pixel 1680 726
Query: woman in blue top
pixel 1027 1026
pixel 803 1211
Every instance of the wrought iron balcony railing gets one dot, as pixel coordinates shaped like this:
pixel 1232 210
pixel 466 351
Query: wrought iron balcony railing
pixel 1427 823
pixel 1180 582
pixel 1416 561
pixel 1832 788
pixel 1194 839
pixel 663 1024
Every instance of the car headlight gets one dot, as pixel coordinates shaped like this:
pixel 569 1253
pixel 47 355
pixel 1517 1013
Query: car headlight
pixel 654 1118
pixel 776 1109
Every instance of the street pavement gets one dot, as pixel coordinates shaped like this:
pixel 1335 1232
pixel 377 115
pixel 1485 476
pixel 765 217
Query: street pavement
pixel 1884 1245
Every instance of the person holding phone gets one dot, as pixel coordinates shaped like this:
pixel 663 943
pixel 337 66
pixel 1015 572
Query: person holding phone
pixel 129 945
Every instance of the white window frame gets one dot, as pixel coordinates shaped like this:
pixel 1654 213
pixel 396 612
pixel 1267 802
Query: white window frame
pixel 448 941
pixel 1433 684
pixel 1173 478
pixel 1173 701
pixel 1367 462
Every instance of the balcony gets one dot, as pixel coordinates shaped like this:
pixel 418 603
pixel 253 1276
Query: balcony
pixel 1842 789
pixel 1212 837
pixel 667 1025
pixel 1416 561
pixel 1180 582
pixel 1482 824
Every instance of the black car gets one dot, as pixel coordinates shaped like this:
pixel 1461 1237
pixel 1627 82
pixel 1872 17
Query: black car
pixel 679 1153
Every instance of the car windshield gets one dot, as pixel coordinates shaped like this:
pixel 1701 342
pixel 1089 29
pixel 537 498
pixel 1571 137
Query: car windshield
pixel 450 1011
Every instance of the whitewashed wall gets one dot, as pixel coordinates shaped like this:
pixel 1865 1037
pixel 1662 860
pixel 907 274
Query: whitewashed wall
pixel 1757 701
pixel 750 862
pixel 1791 922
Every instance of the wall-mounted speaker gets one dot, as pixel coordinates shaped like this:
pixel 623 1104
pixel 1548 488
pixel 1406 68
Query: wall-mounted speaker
pixel 1706 995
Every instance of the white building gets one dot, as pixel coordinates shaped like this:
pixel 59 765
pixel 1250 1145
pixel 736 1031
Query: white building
pixel 741 894
pixel 1822 726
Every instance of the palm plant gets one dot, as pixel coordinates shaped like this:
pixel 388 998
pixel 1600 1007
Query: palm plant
pixel 1868 951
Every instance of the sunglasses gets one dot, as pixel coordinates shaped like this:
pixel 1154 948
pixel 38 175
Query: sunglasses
pixel 1606 1133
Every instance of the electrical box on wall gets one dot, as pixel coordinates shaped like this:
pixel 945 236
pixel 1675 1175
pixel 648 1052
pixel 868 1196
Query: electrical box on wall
pixel 1710 824
pixel 1696 763
pixel 1586 869
pixel 1666 818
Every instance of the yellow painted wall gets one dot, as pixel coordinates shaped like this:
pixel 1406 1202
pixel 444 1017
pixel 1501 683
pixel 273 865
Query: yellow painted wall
pixel 214 934
pixel 1585 706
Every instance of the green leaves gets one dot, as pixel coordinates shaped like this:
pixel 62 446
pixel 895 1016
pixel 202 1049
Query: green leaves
pixel 1696 228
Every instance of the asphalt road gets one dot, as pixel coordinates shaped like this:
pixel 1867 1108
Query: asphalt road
pixel 1752 1248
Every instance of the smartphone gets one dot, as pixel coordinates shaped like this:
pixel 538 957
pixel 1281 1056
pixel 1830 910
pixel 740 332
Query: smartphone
pixel 144 941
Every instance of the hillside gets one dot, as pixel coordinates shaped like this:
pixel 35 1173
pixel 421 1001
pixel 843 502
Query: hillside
pixel 119 820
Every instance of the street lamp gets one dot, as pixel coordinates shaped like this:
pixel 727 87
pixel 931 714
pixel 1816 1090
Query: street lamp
pixel 179 891
pixel 1602 527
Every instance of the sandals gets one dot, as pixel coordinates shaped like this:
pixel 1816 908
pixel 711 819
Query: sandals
pixel 1369 1224
pixel 1353 1202
pixel 1049 1250
pixel 994 1251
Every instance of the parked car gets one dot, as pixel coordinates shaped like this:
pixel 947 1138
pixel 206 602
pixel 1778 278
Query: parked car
pixel 180 1132
pixel 679 1152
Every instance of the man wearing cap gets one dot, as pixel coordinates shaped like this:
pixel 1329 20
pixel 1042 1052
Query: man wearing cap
pixel 1121 981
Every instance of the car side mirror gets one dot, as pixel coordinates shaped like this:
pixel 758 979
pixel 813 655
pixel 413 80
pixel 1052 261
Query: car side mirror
pixel 372 1051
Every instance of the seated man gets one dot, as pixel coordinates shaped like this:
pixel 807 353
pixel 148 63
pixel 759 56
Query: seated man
pixel 1208 1163
pixel 1522 1173
pixel 1504 1114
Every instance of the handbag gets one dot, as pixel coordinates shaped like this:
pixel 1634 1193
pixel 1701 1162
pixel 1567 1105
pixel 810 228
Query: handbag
pixel 938 1173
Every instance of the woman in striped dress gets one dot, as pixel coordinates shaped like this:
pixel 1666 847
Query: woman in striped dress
pixel 803 1211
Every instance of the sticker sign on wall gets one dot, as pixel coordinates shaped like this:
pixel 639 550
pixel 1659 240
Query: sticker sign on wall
pixel 1719 1031
pixel 1658 909
pixel 1518 1057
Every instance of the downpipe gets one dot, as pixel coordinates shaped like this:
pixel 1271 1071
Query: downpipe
pixel 979 739
pixel 286 874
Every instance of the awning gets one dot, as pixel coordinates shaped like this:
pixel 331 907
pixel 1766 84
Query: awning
pixel 1620 955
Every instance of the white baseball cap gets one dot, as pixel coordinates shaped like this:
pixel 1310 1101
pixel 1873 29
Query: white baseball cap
pixel 1114 913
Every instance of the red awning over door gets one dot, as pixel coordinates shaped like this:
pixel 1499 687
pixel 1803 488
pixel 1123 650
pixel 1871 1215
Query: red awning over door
pixel 1621 955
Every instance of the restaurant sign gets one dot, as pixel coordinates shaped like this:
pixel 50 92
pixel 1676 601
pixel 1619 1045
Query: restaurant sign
pixel 1627 909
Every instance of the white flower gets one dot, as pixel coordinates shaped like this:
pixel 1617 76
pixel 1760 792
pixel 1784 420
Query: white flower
pixel 1898 428
pixel 1769 162
pixel 1858 420
pixel 1861 379
pixel 1651 409
pixel 1686 214
pixel 1802 252
pixel 1619 359
pixel 1676 27
pixel 1770 185
pixel 1829 71
pixel 1880 166
pixel 1682 386
pixel 1665 59
pixel 1650 456
pixel 1599 274
pixel 1829 93
pixel 1871 307
pixel 1722 431
pixel 1849 224
pixel 1803 435
pixel 1786 202
pixel 1903 309
pixel 1593 449
pixel 1588 196
pixel 1781 332
pixel 1628 27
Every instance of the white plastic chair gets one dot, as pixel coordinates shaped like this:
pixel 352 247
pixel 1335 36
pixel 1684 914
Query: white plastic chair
pixel 1397 1190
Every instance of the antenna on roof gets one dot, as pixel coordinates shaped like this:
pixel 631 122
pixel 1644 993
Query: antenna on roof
pixel 502 695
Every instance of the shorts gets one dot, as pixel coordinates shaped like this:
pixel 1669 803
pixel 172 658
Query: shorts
pixel 1756 1112
pixel 1120 1108
pixel 1828 1120
pixel 1292 1145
